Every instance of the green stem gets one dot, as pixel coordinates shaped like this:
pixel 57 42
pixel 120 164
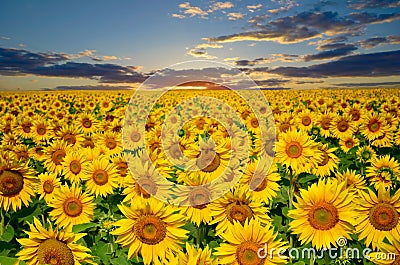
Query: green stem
pixel 292 179
pixel 1 222
pixel 327 260
pixel 311 258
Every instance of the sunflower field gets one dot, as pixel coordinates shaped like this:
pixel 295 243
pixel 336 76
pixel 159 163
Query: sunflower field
pixel 78 186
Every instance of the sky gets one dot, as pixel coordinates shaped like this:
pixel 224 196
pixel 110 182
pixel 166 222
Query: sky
pixel 278 43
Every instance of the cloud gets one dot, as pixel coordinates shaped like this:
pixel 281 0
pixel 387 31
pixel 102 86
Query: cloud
pixel 374 84
pixel 285 5
pixel 220 5
pixel 331 51
pixel 365 65
pixel 370 18
pixel 209 45
pixel 253 8
pixel 200 53
pixel 293 29
pixel 14 62
pixel 273 58
pixel 272 82
pixel 235 16
pixel 378 41
pixel 178 16
pixel 192 10
pixel 89 87
pixel 363 4
pixel 5 38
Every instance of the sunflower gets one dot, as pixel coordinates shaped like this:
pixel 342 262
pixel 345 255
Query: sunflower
pixel 390 254
pixel 111 141
pixel 121 165
pixel 305 119
pixel 297 150
pixel 49 246
pixel 329 162
pixel 354 182
pixel 48 186
pixel 87 123
pixel 197 256
pixel 101 177
pixel 262 179
pixel 324 122
pixel 373 126
pixel 383 171
pixel 54 156
pixel 284 122
pixel 385 140
pixel 70 134
pixel 342 126
pixel 40 129
pixel 74 164
pixel 378 216
pixel 365 154
pixel 323 213
pixel 244 242
pixel 25 127
pixel 71 206
pixel 17 183
pixel 349 142
pixel 237 205
pixel 150 228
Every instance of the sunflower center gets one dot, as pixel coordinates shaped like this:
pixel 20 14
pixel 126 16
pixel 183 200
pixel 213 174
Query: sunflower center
pixel 75 167
pixel 100 177
pixel 323 216
pixel 355 115
pixel 238 212
pixel 374 125
pixel 396 261
pixel 199 198
pixel 246 254
pixel 349 143
pixel 342 126
pixel 325 123
pixel 147 187
pixel 122 169
pixel 26 127
pixel 69 138
pixel 294 149
pixel 384 217
pixel 111 143
pixel 41 129
pixel 58 156
pixel 72 207
pixel 284 127
pixel 54 252
pixel 325 159
pixel 306 121
pixel 48 186
pixel 86 122
pixel 366 155
pixel 203 162
pixel 254 123
pixel 150 229
pixel 135 137
pixel 11 183
pixel 258 183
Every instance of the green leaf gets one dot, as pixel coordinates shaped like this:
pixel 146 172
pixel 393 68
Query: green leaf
pixel 82 227
pixel 7 260
pixel 8 234
pixel 121 260
pixel 306 179
pixel 299 263
pixel 213 244
pixel 285 211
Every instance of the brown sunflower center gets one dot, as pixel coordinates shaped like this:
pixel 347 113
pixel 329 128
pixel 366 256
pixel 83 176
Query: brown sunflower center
pixel 69 138
pixel 323 216
pixel 75 167
pixel 384 217
pixel 306 120
pixel 284 127
pixel 343 126
pixel 58 156
pixel 146 187
pixel 11 183
pixel 41 129
pixel 111 143
pixel 247 254
pixel 72 207
pixel 135 137
pixel 258 183
pixel 254 123
pixel 325 159
pixel 150 229
pixel 238 212
pixel 54 252
pixel 294 149
pixel 199 197
pixel 48 186
pixel 122 168
pixel 349 143
pixel 355 115
pixel 26 127
pixel 374 125
pixel 86 122
pixel 325 123
pixel 203 162
pixel 100 177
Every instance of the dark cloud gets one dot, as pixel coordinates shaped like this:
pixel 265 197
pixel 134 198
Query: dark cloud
pixel 375 84
pixel 22 62
pixel 331 51
pixel 363 4
pixel 370 18
pixel 372 64
pixel 99 87
pixel 272 82
pixel 378 41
